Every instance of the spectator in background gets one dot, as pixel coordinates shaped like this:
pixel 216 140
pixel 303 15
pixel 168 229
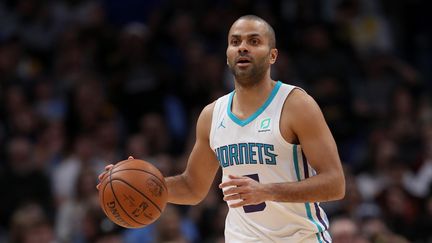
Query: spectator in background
pixel 375 230
pixel 71 213
pixel 88 105
pixel 50 146
pixel 134 73
pixel 95 225
pixel 368 30
pixel 21 119
pixel 31 225
pixel 153 127
pixel 170 227
pixel 399 211
pixel 22 182
pixel 65 175
pixel 345 230
pixel 320 57
pixel 108 139
pixel 137 146
pixel 49 106
pixel 11 54
pixel 419 180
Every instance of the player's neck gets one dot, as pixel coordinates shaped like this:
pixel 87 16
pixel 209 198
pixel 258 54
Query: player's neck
pixel 248 98
pixel 245 87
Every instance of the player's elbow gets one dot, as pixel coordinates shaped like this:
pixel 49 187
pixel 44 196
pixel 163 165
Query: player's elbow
pixel 340 194
pixel 334 187
pixel 339 187
pixel 195 201
pixel 196 194
pixel 196 198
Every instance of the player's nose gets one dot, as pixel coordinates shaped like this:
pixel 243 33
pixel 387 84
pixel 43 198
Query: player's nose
pixel 243 48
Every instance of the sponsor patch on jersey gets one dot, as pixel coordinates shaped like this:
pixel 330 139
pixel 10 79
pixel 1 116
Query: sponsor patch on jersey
pixel 264 125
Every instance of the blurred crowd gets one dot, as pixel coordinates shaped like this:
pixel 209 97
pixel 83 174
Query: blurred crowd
pixel 87 83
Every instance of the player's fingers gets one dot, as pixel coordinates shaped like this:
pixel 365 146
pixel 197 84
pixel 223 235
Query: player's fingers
pixel 108 167
pixel 227 183
pixel 97 186
pixel 240 180
pixel 232 190
pixel 130 157
pixel 232 197
pixel 238 204
pixel 229 197
pixel 101 176
pixel 236 190
pixel 235 177
pixel 232 182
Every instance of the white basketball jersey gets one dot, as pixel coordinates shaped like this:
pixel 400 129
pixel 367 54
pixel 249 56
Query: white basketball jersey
pixel 254 147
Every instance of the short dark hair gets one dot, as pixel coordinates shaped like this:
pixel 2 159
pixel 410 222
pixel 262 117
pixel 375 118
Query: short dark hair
pixel 270 30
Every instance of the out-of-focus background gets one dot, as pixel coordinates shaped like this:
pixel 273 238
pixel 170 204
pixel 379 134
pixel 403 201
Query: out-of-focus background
pixel 86 83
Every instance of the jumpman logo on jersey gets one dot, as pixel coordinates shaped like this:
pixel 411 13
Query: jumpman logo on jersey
pixel 221 124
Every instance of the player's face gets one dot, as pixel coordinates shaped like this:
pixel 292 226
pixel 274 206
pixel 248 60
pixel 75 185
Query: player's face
pixel 249 54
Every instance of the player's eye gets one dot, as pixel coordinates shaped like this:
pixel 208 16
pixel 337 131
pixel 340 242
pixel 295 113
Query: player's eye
pixel 254 41
pixel 235 42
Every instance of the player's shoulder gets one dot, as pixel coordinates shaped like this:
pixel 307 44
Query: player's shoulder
pixel 206 114
pixel 204 121
pixel 301 103
pixel 299 97
pixel 208 109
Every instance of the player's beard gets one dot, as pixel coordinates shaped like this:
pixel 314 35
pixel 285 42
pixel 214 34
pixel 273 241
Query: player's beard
pixel 250 75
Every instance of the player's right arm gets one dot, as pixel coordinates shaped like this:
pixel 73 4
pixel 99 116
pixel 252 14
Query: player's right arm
pixel 193 184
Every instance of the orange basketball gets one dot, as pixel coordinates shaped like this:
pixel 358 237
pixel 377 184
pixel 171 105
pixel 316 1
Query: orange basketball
pixel 133 194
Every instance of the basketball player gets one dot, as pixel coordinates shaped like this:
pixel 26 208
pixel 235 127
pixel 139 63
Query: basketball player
pixel 277 154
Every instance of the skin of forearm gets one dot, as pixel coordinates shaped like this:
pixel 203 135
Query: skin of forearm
pixel 180 192
pixel 319 188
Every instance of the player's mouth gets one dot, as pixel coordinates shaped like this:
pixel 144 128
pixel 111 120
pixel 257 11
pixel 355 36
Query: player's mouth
pixel 243 61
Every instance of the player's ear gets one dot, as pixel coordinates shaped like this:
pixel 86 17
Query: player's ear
pixel 227 61
pixel 273 55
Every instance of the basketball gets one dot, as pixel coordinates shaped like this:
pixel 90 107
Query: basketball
pixel 133 193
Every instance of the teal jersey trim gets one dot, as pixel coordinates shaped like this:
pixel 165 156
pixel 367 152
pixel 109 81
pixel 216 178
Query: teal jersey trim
pixel 258 112
pixel 308 210
pixel 296 164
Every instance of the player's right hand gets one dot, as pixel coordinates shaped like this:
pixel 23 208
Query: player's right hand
pixel 105 172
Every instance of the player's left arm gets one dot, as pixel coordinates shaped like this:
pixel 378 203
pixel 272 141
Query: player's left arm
pixel 307 122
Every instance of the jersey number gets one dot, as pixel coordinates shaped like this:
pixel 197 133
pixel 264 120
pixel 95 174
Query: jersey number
pixel 256 207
